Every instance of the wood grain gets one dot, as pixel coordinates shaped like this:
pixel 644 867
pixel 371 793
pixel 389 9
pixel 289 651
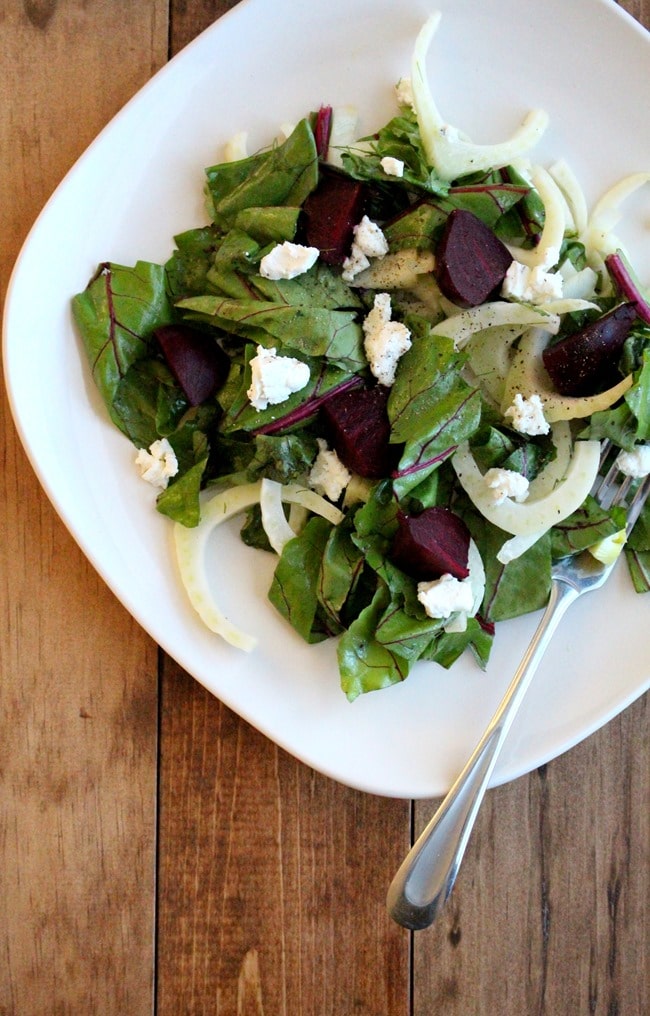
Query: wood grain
pixel 78 677
pixel 272 879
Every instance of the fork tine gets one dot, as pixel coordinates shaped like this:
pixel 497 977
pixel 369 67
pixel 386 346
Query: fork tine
pixel 613 487
pixel 636 505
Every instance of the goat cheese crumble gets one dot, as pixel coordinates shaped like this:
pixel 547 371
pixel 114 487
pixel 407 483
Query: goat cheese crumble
pixel 635 463
pixel 532 285
pixel 369 242
pixel 158 464
pixel 328 476
pixel 505 483
pixel 274 378
pixel 404 93
pixel 385 341
pixel 392 166
pixel 528 415
pixel 288 260
pixel 442 597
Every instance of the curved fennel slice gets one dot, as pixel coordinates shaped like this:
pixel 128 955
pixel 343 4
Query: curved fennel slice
pixel 450 152
pixel 535 515
pixel 191 544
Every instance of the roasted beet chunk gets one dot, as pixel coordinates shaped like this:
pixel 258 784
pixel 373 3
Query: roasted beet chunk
pixel 471 261
pixel 433 543
pixel 330 214
pixel 358 428
pixel 586 362
pixel 199 365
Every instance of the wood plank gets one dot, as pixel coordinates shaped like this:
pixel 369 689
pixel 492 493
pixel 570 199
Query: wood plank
pixel 558 860
pixel 78 678
pixel 272 878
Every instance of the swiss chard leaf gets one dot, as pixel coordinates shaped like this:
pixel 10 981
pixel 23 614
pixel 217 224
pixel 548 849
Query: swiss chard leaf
pixel 180 500
pixel 187 268
pixel 283 175
pixel 584 527
pixel 364 663
pixel 312 331
pixel 399 139
pixel 431 408
pixel 294 588
pixel 447 647
pixel 341 570
pixel 116 314
pixel 519 587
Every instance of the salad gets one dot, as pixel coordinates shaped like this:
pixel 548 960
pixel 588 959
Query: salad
pixel 397 356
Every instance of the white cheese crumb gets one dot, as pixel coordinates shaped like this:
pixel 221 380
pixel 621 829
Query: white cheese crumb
pixel 369 242
pixel 287 260
pixel 532 285
pixel 370 238
pixel 445 595
pixel 404 93
pixel 328 476
pixel 635 463
pixel 236 148
pixel 392 166
pixel 158 464
pixel 275 378
pixel 504 483
pixel 528 415
pixel 385 341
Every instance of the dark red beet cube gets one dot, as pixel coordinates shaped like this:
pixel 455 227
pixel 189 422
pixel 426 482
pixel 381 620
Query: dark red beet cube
pixel 586 362
pixel 471 261
pixel 358 429
pixel 199 365
pixel 330 213
pixel 433 543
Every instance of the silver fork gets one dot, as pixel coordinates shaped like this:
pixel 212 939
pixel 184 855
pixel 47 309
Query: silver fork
pixel 426 877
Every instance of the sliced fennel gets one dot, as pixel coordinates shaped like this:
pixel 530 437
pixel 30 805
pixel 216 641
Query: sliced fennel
pixel 451 153
pixel 274 521
pixel 598 238
pixel 546 253
pixel 343 132
pixel 191 544
pixel 400 270
pixel 535 515
pixel 477 581
pixel 518 316
pixel 528 375
pixel 546 481
pixel 573 193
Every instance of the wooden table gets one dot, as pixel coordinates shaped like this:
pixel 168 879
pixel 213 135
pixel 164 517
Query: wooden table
pixel 157 852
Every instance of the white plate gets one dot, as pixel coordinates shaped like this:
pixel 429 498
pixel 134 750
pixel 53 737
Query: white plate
pixel 588 65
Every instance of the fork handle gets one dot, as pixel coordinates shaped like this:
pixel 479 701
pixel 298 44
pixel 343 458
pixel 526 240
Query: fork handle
pixel 425 878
